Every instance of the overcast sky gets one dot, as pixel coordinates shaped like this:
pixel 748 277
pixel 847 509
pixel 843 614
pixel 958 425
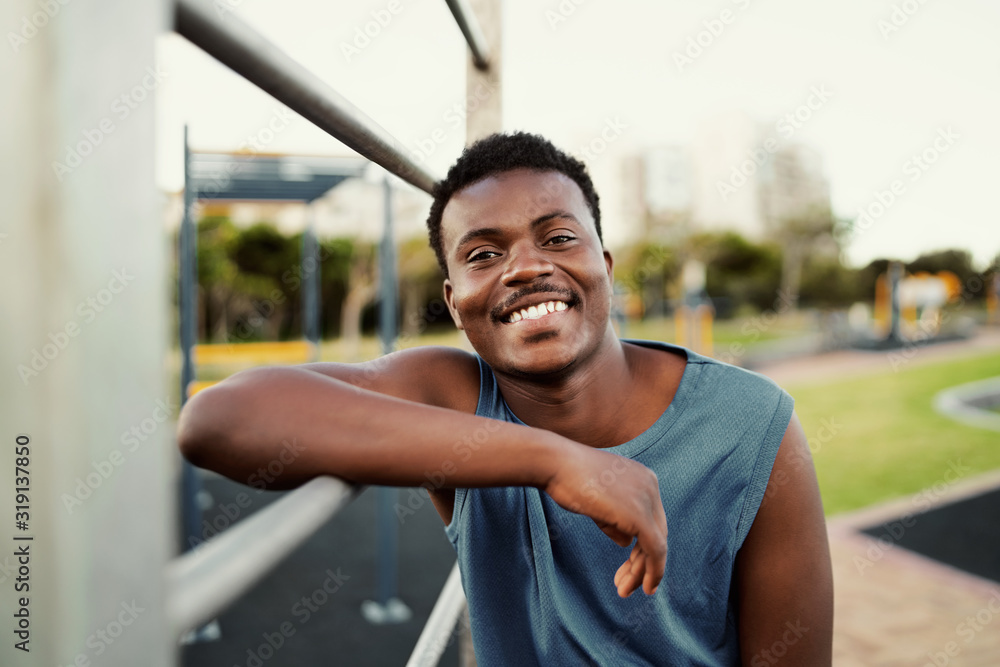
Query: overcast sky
pixel 899 77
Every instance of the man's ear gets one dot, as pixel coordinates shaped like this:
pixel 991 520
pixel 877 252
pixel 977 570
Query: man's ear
pixel 609 262
pixel 449 299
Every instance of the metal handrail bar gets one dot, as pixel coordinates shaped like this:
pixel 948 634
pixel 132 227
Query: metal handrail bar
pixel 469 26
pixel 436 634
pixel 207 579
pixel 235 44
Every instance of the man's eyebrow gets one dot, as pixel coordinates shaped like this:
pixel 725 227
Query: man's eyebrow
pixel 566 215
pixel 474 234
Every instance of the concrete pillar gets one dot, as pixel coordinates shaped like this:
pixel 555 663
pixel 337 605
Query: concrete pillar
pixel 484 98
pixel 84 335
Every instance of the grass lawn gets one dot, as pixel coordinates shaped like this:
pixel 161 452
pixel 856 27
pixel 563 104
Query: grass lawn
pixel 887 440
pixel 745 330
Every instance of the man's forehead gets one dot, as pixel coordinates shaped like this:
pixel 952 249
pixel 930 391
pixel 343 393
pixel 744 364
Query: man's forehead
pixel 519 195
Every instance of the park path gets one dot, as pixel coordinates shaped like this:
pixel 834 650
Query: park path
pixel 894 607
pixel 852 363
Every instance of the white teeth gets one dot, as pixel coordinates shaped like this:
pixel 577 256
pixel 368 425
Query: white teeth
pixel 536 312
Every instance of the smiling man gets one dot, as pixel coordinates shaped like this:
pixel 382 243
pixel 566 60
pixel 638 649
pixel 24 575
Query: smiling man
pixel 561 453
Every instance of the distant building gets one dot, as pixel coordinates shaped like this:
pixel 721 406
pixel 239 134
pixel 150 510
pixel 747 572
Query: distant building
pixel 719 149
pixel 791 182
pixel 737 174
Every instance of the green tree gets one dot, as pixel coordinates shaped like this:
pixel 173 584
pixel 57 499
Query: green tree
pixel 814 231
pixel 646 269
pixel 217 276
pixel 420 281
pixel 268 261
pixel 335 256
pixel 739 272
pixel 827 283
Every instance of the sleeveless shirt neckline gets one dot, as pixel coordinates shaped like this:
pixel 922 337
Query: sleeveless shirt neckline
pixel 656 431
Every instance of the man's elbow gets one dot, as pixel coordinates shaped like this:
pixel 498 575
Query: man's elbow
pixel 194 428
pixel 201 426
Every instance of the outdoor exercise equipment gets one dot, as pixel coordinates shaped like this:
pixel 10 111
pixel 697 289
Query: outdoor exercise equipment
pixel 694 315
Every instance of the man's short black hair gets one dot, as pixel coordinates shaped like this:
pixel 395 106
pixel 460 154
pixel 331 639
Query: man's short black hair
pixel 496 154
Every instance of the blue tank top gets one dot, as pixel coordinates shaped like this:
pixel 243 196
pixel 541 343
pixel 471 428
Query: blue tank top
pixel 539 579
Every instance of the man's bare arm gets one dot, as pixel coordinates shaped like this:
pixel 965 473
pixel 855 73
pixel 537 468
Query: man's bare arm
pixel 783 570
pixel 371 436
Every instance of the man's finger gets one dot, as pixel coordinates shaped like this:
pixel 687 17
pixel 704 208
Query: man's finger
pixel 654 548
pixel 656 563
pixel 632 572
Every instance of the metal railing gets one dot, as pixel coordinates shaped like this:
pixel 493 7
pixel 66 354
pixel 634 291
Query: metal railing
pixel 209 578
pixel 433 639
pixel 206 580
pixel 473 35
pixel 251 55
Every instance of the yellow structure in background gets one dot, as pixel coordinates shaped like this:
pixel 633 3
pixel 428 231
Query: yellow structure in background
pixel 693 328
pixel 694 317
pixel 290 352
pixel 251 354
pixel 993 300
pixel 920 298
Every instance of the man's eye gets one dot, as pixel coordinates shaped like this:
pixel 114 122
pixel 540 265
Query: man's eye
pixel 483 255
pixel 560 238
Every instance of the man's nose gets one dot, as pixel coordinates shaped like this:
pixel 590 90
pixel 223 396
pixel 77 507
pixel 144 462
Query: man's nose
pixel 525 263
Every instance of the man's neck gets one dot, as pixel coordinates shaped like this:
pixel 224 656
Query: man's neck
pixel 606 400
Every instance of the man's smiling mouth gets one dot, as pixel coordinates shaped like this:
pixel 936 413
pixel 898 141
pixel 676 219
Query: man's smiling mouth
pixel 536 312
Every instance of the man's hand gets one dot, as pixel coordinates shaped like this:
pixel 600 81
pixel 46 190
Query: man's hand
pixel 628 507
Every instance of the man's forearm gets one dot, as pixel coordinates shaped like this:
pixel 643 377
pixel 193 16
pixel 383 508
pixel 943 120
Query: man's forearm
pixel 312 425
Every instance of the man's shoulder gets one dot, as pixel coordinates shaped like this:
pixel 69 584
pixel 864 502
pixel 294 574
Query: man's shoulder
pixel 742 396
pixel 439 375
pixel 741 378
pixel 719 377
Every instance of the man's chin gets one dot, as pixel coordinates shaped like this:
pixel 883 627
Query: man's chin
pixel 537 365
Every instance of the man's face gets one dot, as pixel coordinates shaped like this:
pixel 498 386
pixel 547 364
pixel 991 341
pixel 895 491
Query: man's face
pixel 520 244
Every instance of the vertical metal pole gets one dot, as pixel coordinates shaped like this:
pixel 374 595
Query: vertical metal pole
pixel 387 523
pixel 895 276
pixel 84 339
pixel 387 271
pixel 188 297
pixel 310 283
pixel 190 483
pixel 387 608
pixel 188 276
